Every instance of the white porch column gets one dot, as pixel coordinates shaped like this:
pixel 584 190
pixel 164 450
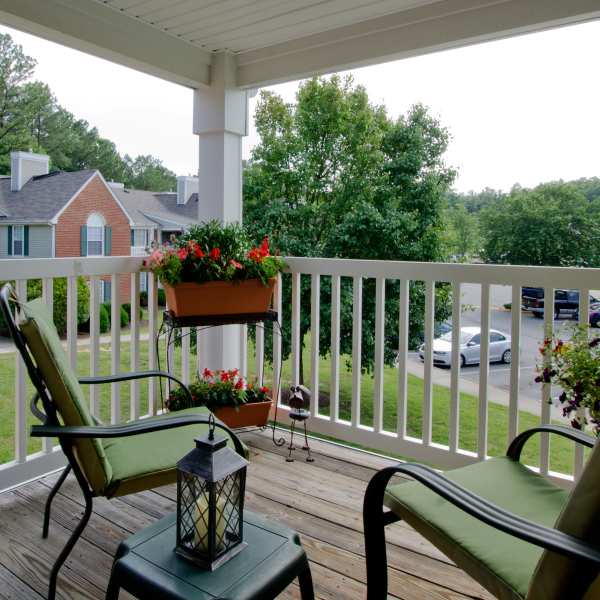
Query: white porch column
pixel 220 122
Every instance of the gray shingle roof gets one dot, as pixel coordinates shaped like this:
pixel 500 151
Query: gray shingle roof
pixel 41 197
pixel 148 209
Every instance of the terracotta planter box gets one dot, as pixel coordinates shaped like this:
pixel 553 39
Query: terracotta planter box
pixel 255 414
pixel 219 297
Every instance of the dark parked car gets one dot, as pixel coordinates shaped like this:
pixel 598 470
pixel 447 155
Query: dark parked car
pixel 565 302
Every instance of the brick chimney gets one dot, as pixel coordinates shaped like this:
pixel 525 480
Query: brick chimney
pixel 186 186
pixel 24 166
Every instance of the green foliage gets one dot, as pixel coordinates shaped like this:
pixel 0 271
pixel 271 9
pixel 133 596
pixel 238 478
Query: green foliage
pixel 462 233
pixel 161 298
pixel 123 314
pixel 148 173
pixel 214 252
pixel 34 290
pixel 216 390
pixel 574 366
pixel 333 176
pixel 31 118
pixel 553 224
pixel 144 299
pixel 104 318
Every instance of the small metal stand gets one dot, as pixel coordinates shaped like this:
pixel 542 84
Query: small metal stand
pixel 298 414
pixel 170 323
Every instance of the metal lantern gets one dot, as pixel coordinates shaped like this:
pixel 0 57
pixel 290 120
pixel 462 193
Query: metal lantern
pixel 210 502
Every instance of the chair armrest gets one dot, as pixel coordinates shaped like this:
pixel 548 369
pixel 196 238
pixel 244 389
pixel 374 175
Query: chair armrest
pixel 516 446
pixel 134 375
pixel 127 429
pixel 487 512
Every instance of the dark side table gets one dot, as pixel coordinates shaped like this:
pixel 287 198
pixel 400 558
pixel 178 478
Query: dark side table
pixel 147 567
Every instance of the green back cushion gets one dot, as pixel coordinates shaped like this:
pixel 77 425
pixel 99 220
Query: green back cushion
pixel 45 346
pixel 557 577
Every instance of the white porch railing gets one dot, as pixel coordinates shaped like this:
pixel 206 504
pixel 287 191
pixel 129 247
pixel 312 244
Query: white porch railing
pixel 96 353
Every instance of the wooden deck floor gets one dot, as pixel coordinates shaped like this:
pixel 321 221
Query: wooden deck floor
pixel 321 500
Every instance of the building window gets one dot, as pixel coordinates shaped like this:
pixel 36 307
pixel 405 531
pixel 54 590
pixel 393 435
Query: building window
pixel 140 238
pixel 18 240
pixel 95 235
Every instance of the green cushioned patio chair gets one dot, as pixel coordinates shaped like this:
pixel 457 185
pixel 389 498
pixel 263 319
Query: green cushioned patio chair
pixel 107 460
pixel 515 532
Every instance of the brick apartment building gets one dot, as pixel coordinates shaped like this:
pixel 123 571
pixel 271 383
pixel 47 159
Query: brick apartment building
pixel 66 214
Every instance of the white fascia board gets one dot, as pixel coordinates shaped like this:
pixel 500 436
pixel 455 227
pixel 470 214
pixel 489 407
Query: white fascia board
pixel 430 28
pixel 94 28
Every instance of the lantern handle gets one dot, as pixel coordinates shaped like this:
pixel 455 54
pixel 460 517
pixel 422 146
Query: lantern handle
pixel 211 427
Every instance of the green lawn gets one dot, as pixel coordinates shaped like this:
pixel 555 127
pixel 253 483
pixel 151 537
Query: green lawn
pixel 561 450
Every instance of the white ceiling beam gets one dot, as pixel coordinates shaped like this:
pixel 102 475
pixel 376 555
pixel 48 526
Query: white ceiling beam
pixel 94 28
pixel 437 26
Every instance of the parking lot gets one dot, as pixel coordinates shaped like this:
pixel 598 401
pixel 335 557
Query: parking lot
pixel 532 334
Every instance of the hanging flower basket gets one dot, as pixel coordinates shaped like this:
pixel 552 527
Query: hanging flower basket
pixel 228 395
pixel 214 269
pixel 219 297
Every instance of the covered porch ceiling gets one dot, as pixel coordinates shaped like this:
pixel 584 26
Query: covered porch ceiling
pixel 278 40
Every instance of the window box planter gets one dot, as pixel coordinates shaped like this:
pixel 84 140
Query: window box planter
pixel 219 297
pixel 252 414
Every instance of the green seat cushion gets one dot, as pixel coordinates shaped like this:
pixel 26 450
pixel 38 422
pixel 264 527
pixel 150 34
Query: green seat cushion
pixel 145 461
pixel 501 563
pixel 46 348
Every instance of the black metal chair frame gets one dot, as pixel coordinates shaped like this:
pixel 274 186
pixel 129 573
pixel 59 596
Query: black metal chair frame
pixel 375 517
pixel 51 427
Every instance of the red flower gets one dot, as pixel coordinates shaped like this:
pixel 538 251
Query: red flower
pixel 224 376
pixel 264 247
pixel 182 253
pixel 254 255
pixel 215 254
pixel 198 251
pixel 239 384
pixel 207 373
pixel 264 389
pixel 236 264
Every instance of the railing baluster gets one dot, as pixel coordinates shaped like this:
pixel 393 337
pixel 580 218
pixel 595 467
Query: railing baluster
pixel 402 425
pixel 334 383
pixel 454 425
pixel 515 363
pixel 315 325
pixel 21 433
pixel 546 387
pixel 277 342
pixel 260 353
pixel 243 350
pixel 295 329
pixel 484 371
pixel 584 319
pixel 428 367
pixel 357 291
pixel 185 355
pixel 72 321
pixel 134 333
pixel 115 348
pixel 48 296
pixel 94 343
pixel 379 349
pixel 153 382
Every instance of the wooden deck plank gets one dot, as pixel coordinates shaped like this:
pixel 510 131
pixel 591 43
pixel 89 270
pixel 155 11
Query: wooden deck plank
pixel 322 501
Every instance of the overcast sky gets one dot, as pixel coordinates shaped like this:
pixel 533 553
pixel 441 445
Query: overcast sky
pixel 519 110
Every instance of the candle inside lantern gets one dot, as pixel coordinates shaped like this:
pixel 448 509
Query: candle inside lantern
pixel 201 524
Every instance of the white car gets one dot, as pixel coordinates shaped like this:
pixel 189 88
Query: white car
pixel 470 347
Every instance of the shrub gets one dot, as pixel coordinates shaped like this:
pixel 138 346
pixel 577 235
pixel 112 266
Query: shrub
pixel 127 308
pixel 104 319
pixel 144 299
pixel 161 298
pixel 34 290
pixel 124 315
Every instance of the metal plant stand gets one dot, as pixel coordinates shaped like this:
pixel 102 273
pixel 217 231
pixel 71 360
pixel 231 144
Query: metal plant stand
pixel 171 325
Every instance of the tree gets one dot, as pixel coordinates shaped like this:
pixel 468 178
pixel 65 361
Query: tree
pixel 334 176
pixel 148 173
pixel 553 224
pixel 462 232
